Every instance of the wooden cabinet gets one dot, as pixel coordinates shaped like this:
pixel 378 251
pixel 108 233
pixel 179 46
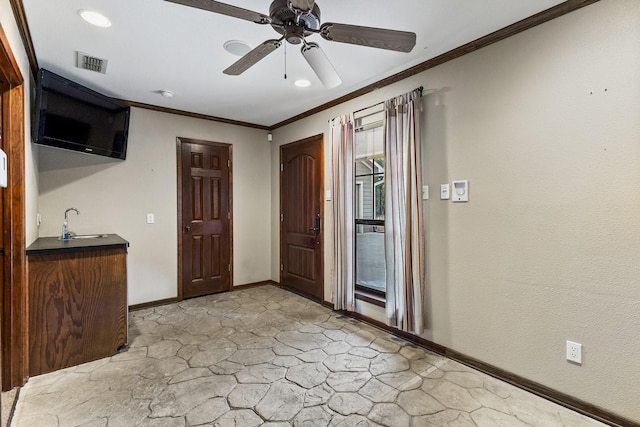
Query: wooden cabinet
pixel 77 306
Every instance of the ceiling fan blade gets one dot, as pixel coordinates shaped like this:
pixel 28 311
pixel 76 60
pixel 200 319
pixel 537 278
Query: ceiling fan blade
pixel 400 41
pixel 253 57
pixel 225 9
pixel 321 65
pixel 302 5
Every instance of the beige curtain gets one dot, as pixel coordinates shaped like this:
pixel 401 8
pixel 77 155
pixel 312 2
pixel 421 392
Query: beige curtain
pixel 342 142
pixel 404 229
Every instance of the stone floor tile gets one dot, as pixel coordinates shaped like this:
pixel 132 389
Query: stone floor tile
pixel 351 421
pixel 447 418
pixel 318 395
pixel 417 402
pixel 247 395
pixel 403 381
pixel 282 402
pixel 379 392
pixel 348 381
pixel 308 375
pixel 465 379
pixel 192 363
pixel 347 363
pixel 490 400
pixel 261 374
pixel 360 338
pixel 316 416
pixel 312 356
pixel 383 345
pixel 454 397
pixel 303 342
pixel 349 403
pixel 239 418
pixel 210 357
pixel 252 357
pixel 387 363
pixel 226 368
pixel 163 349
pixel 207 411
pixel 337 347
pixel 486 417
pixel 389 414
pixel 365 352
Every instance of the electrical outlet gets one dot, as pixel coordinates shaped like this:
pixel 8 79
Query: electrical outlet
pixel 574 352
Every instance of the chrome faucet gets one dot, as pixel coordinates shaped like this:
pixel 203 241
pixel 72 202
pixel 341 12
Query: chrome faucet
pixel 65 224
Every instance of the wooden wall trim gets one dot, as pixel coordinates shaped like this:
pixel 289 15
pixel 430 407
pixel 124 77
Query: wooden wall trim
pixel 152 304
pixel 568 401
pixel 25 34
pixel 255 285
pixel 14 284
pixel 193 115
pixel 496 36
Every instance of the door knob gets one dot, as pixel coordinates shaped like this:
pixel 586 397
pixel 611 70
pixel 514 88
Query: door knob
pixel 187 228
pixel 316 229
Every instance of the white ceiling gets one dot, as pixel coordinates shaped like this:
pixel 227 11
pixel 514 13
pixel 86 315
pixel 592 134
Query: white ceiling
pixel 156 45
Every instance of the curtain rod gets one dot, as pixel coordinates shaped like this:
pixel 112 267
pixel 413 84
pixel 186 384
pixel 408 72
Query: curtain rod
pixel 366 108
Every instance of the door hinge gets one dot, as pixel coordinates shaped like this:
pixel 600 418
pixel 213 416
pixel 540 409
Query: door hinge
pixel 228 215
pixel 281 267
pixel 228 163
pixel 281 167
pixel 281 217
pixel 229 267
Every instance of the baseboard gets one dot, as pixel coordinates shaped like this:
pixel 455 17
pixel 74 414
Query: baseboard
pixel 152 304
pixel 538 389
pixel 255 285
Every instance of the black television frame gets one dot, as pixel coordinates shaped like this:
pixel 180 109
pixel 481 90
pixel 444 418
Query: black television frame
pixel 67 131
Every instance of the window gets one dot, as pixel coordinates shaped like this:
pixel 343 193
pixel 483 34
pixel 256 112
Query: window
pixel 369 201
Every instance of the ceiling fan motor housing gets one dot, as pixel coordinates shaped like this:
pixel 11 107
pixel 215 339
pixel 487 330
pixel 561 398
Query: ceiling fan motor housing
pixel 293 28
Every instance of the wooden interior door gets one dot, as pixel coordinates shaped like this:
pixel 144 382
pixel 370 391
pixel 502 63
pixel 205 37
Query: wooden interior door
pixel 204 216
pixel 301 229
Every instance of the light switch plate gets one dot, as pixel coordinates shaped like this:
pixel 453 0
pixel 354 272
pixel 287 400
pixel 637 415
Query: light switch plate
pixel 151 218
pixel 444 192
pixel 425 192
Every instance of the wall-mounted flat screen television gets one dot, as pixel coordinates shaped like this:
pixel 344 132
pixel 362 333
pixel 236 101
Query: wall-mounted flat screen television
pixel 73 117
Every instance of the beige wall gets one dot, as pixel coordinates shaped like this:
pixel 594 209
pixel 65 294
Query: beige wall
pixel 546 128
pixel 31 168
pixel 115 196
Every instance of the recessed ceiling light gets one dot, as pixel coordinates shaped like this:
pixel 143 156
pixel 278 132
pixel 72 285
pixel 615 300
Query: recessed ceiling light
pixel 302 83
pixel 236 47
pixel 94 18
pixel 166 93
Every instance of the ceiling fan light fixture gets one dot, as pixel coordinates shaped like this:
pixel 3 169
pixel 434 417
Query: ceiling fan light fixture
pixel 94 18
pixel 321 65
pixel 236 47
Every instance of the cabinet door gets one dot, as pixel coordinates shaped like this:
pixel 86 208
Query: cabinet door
pixel 77 307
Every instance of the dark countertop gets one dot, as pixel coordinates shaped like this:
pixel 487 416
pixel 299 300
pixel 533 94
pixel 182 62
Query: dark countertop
pixel 45 245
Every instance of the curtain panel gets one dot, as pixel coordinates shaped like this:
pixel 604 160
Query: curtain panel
pixel 404 226
pixel 342 143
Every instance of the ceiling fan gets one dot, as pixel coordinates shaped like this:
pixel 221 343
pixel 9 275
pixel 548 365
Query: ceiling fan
pixel 297 19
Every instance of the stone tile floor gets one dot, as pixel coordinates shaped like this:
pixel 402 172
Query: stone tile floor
pixel 265 356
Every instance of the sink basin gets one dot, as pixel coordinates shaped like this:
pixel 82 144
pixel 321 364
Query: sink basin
pixel 88 236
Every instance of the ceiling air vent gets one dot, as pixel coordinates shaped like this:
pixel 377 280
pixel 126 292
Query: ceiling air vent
pixel 91 63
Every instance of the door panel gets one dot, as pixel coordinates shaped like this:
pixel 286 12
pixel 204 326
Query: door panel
pixel 301 213
pixel 205 218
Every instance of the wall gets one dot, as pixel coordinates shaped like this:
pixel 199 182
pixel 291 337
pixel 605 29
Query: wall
pixel 115 196
pixel 10 29
pixel 546 127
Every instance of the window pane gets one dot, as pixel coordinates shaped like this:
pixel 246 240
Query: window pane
pixel 370 261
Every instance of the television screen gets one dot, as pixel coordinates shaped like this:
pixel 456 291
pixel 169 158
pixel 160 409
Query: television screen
pixel 71 116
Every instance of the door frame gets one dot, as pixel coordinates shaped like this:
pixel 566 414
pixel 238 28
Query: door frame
pixel 319 137
pixel 13 310
pixel 179 142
